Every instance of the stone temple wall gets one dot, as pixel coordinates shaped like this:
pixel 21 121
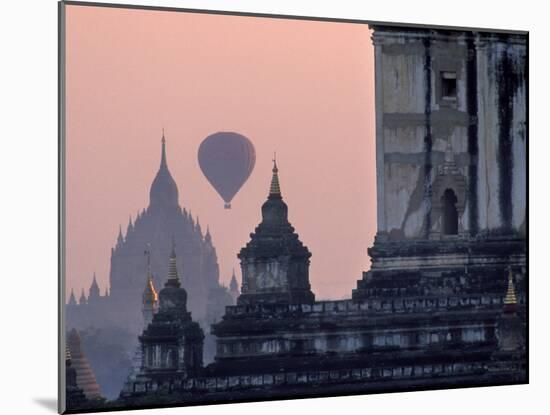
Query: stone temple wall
pixel 460 91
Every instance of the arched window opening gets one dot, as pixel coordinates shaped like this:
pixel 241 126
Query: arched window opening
pixel 449 219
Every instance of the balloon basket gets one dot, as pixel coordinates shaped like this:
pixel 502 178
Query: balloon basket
pixel 227 206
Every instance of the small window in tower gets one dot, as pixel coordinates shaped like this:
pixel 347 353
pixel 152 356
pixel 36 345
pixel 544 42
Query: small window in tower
pixel 448 85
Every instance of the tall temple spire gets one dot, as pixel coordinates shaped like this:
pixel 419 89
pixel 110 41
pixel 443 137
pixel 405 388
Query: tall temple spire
pixel 163 164
pixel 164 191
pixel 275 188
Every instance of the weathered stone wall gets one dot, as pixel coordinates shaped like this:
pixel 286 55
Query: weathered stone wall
pixel 481 122
pixel 384 321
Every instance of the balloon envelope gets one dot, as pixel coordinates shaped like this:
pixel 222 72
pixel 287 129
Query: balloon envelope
pixel 227 160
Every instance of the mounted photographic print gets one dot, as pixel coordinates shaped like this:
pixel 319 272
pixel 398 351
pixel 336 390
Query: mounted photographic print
pixel 260 207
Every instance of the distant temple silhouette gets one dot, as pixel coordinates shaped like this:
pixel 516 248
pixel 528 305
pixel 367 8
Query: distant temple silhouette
pixel 154 229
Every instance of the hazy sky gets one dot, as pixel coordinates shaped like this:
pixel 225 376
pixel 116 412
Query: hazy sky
pixel 304 89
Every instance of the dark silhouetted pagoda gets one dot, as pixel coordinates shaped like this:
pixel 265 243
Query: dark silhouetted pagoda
pixel 172 343
pixel 275 263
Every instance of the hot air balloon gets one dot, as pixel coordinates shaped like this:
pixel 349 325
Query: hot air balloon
pixel 226 160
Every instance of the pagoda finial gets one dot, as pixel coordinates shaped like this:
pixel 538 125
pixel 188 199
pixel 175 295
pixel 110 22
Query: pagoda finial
pixel 150 295
pixel 172 268
pixel 233 285
pixel 275 188
pixel 163 163
pixel 510 301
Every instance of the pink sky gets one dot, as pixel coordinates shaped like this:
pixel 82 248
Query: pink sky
pixel 302 88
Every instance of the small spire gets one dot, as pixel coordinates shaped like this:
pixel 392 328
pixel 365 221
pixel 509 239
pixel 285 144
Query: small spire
pixel 120 238
pixel 72 299
pixel 130 225
pixel 198 226
pixel 510 301
pixel 233 285
pixel 163 164
pixel 173 253
pixel 82 299
pixel 173 278
pixel 94 289
pixel 207 236
pixel 275 189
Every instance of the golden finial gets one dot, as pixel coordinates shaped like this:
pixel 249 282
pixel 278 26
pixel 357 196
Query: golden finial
pixel 275 188
pixel 510 298
pixel 150 295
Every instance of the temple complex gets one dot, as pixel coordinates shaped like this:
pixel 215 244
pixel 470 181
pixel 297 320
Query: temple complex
pixel 153 229
pixel 444 301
